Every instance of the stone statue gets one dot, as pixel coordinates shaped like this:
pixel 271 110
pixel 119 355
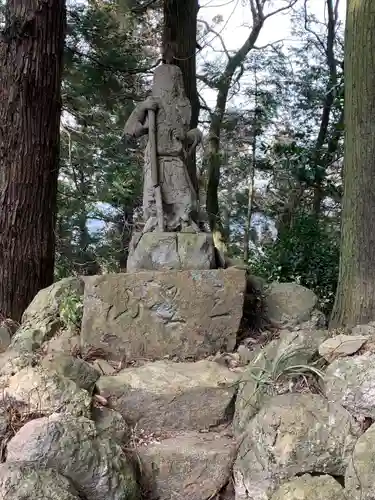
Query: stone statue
pixel 169 197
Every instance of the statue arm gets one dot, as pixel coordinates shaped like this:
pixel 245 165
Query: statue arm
pixel 194 138
pixel 137 124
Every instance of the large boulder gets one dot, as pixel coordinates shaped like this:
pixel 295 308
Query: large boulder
pixel 290 304
pixel 44 392
pixel 190 466
pixel 360 473
pixel 76 369
pixel 351 383
pixel 70 445
pixel 5 337
pixel 65 341
pixel 42 319
pixel 110 424
pixel 12 361
pixel 251 393
pixel 163 395
pixel 166 251
pixel 309 487
pixel 151 314
pixel 292 434
pixel 21 481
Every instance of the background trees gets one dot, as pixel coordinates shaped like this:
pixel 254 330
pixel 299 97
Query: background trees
pixel 272 116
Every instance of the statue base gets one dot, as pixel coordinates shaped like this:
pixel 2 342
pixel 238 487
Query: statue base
pixel 159 251
pixel 153 314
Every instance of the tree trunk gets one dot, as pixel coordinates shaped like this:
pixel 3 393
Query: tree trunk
pixel 250 199
pixel 180 32
pixel 329 99
pixel 31 49
pixel 355 296
pixel 214 159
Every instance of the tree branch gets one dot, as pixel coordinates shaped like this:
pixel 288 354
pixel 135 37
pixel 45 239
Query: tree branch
pixel 312 32
pixel 290 4
pixel 218 35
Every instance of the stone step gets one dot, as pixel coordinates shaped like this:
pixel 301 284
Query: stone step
pixel 164 395
pixel 190 465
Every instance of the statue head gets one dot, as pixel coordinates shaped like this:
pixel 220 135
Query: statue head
pixel 168 83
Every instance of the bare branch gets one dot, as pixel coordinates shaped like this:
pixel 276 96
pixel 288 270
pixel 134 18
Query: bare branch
pixel 291 4
pixel 271 44
pixel 205 106
pixel 253 9
pixel 312 32
pixel 207 81
pixel 217 35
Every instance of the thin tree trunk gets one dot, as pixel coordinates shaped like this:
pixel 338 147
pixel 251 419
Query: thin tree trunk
pixel 180 32
pixel 330 95
pixel 251 174
pixel 222 85
pixel 250 199
pixel 355 296
pixel 31 49
pixel 287 216
pixel 214 159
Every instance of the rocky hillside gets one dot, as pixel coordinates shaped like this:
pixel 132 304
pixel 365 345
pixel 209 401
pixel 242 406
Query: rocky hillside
pixel 203 419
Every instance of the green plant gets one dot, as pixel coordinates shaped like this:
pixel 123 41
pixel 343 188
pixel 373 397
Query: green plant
pixel 307 253
pixel 291 366
pixel 71 309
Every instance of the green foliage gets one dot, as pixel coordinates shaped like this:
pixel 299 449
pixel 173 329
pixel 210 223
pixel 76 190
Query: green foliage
pixel 71 309
pixel 100 178
pixel 308 254
pixel 292 366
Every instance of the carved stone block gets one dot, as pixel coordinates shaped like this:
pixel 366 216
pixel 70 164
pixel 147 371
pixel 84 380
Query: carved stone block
pixel 166 251
pixel 153 314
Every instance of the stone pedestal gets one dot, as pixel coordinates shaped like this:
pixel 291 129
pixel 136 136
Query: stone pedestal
pixel 166 251
pixel 153 314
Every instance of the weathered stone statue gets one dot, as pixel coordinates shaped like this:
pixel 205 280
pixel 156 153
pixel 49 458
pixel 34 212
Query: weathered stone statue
pixel 173 235
pixel 174 143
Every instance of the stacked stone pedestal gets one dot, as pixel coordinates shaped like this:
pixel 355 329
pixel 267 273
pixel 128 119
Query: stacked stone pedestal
pixel 172 305
pixel 164 309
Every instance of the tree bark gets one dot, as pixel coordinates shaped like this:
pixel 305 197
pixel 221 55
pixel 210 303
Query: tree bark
pixel 31 48
pixel 180 32
pixel 355 296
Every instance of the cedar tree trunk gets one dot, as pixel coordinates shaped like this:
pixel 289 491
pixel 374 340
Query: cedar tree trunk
pixel 31 49
pixel 180 31
pixel 355 296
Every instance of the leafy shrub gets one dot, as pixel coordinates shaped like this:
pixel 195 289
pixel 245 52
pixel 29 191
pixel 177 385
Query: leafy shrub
pixel 307 254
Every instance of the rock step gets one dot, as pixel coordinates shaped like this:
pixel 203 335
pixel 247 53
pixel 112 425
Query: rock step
pixel 189 465
pixel 165 396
